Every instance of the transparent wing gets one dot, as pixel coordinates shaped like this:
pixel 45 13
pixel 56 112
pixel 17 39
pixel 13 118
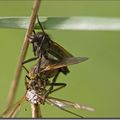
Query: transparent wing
pixel 68 104
pixel 65 62
pixel 62 104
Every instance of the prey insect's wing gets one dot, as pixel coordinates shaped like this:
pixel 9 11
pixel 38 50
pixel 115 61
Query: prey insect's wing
pixel 63 63
pixel 62 108
pixel 68 104
pixel 12 112
pixel 62 104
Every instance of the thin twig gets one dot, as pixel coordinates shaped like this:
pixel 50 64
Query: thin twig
pixel 23 52
pixel 36 113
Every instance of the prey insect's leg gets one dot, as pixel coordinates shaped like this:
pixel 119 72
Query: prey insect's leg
pixel 26 81
pixel 27 77
pixel 60 86
pixel 52 84
pixel 25 69
pixel 13 110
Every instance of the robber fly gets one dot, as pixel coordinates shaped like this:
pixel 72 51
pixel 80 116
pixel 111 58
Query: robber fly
pixel 44 46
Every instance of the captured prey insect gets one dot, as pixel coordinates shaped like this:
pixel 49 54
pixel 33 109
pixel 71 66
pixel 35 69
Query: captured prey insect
pixel 37 83
pixel 50 69
pixel 36 94
pixel 37 91
pixel 34 98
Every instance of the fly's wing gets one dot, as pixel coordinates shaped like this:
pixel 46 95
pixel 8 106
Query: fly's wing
pixel 63 63
pixel 67 104
pixel 12 112
pixel 58 51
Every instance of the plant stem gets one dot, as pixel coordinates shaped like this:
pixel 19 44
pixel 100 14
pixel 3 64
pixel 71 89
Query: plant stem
pixel 13 88
pixel 36 113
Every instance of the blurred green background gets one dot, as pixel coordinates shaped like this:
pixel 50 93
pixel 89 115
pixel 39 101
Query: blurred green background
pixel 95 82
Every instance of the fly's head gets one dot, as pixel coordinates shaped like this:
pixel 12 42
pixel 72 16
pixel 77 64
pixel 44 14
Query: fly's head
pixel 38 38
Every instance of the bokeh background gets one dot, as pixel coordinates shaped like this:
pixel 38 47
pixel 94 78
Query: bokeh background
pixel 95 82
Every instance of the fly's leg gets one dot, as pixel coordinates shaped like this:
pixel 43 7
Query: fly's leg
pixel 29 60
pixel 34 48
pixel 40 24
